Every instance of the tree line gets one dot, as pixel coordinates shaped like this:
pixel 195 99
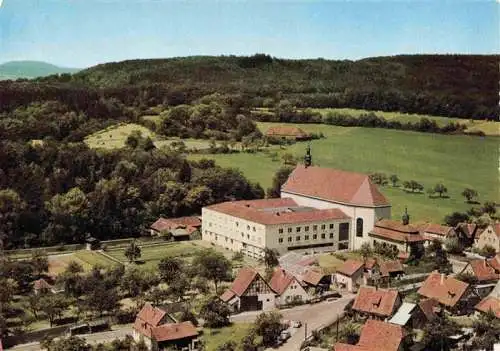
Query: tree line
pixel 53 193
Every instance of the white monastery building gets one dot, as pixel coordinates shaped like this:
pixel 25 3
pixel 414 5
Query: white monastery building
pixel 319 207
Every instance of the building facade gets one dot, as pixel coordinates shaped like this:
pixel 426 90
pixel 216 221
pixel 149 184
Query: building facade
pixel 251 226
pixel 489 237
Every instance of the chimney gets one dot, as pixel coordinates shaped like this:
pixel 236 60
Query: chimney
pixel 442 278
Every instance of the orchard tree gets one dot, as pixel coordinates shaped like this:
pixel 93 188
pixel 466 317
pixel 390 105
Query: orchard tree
pixel 132 252
pixel 469 194
pixel 268 326
pixel 440 189
pixel 54 305
pixel 212 265
pixel 489 208
pixel 40 262
pixel 170 269
pixel 455 218
pixel 215 313
pixel 394 180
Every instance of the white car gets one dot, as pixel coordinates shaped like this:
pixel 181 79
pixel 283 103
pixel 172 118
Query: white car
pixel 285 334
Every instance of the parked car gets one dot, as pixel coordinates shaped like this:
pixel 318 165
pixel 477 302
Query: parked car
pixel 296 324
pixel 285 334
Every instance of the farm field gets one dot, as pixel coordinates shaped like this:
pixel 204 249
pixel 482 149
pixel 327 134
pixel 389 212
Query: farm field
pixel 487 127
pixel 152 254
pixel 458 161
pixel 114 137
pixel 87 259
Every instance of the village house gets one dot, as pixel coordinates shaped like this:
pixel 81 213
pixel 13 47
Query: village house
pixel 396 235
pixel 451 293
pixel 315 281
pixel 287 288
pixel 182 228
pixel 349 276
pixel 160 331
pixel 489 237
pixel 249 292
pixel 376 303
pixel 391 269
pixel 484 270
pixel 433 231
pixel 466 233
pixel 376 336
pixel 412 316
pixel 490 302
pixel 287 132
pixel 41 286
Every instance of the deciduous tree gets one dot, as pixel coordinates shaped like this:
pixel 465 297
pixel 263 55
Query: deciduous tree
pixel 132 252
pixel 212 265
pixel 469 194
pixel 215 313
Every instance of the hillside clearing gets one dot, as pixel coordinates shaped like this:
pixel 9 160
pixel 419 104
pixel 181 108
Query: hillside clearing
pixel 455 160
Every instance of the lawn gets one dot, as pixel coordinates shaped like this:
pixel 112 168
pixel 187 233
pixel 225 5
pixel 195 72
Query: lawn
pixel 487 127
pixel 458 161
pixel 329 263
pixel 114 137
pixel 152 254
pixel 87 259
pixel 215 337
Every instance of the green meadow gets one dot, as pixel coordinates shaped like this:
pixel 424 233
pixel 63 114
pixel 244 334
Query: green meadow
pixel 458 161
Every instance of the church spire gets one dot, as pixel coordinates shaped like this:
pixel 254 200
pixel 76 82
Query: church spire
pixel 406 217
pixel 308 157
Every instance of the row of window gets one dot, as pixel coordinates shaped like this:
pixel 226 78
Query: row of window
pixel 306 228
pixel 306 237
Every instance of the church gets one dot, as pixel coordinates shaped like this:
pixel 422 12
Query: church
pixel 319 208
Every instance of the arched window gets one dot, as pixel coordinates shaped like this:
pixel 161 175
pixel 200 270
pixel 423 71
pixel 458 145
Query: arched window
pixel 359 227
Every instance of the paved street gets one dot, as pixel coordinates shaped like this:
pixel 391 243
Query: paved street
pixel 315 316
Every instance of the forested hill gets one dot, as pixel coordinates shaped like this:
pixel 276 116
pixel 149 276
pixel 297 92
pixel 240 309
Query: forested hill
pixel 446 85
pixel 30 69
pixel 437 84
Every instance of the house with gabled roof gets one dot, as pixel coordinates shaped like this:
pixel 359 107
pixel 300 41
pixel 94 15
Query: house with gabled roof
pixel 466 233
pixel 451 293
pixel 433 231
pixel 484 270
pixel 349 276
pixel 398 235
pixel 490 236
pixel 391 269
pixel 249 292
pixel 376 303
pixel 490 303
pixel 288 288
pixel 159 331
pixel 181 228
pixel 376 336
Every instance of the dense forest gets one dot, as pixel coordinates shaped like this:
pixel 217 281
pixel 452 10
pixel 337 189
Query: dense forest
pixel 54 189
pixel 445 85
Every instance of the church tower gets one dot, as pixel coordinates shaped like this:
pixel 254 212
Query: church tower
pixel 308 157
pixel 406 217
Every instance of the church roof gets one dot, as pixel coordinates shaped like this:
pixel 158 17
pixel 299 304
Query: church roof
pixel 334 185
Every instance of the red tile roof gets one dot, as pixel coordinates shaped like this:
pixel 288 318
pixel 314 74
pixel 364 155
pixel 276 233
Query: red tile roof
pixel 334 185
pixel 395 231
pixel 429 306
pixel 370 262
pixel 381 302
pixel 245 277
pixel 191 223
pixel 447 290
pixel 486 270
pixel 286 130
pixel 350 267
pixel 387 267
pixel 376 336
pixel 149 317
pixel 437 229
pixel 227 295
pixel 312 277
pixel 174 331
pixel 41 284
pixel 275 211
pixel 280 280
pixel 489 303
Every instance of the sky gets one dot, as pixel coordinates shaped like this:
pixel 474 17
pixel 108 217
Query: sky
pixel 82 33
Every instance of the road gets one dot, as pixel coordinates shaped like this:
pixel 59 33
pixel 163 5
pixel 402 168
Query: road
pixel 313 316
pixel 95 338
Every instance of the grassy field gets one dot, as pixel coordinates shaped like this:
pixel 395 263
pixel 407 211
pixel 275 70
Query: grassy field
pixel 457 161
pixel 487 127
pixel 114 137
pixel 87 259
pixel 152 254
pixel 215 337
